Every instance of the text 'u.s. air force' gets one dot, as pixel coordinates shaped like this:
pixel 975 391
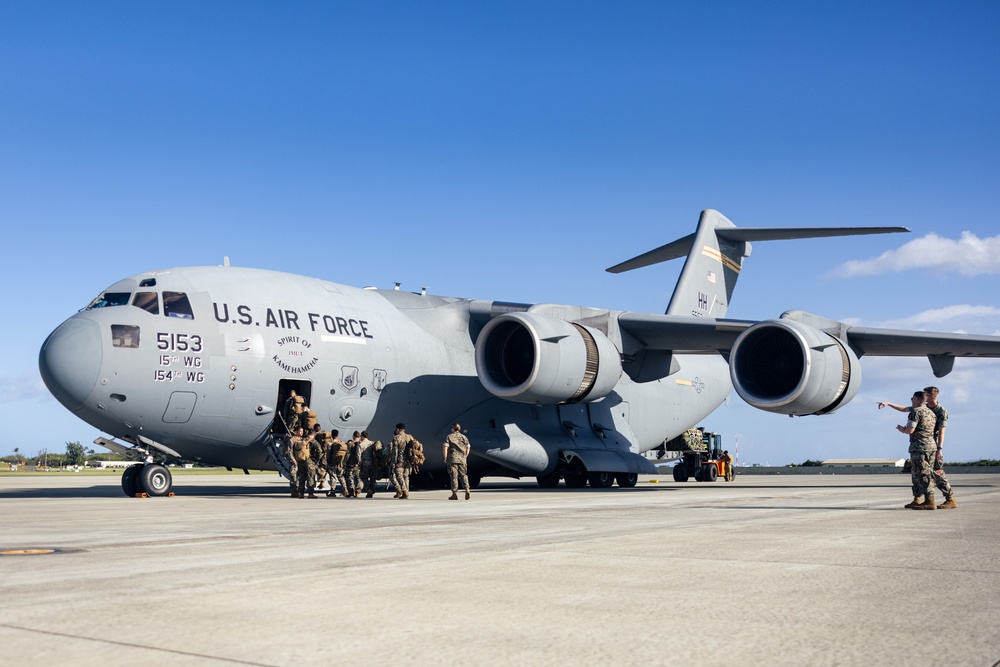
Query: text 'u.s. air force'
pixel 281 318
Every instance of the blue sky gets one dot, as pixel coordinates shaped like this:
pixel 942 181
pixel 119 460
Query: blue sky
pixel 514 151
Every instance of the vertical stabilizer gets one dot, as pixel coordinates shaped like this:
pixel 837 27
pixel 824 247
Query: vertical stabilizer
pixel 710 271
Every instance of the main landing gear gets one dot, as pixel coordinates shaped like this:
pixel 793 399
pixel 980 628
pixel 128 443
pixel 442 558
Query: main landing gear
pixel 152 479
pixel 577 477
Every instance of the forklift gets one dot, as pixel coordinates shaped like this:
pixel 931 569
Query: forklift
pixel 701 450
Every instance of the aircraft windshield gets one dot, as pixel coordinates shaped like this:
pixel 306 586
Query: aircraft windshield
pixel 176 304
pixel 109 299
pixel 148 301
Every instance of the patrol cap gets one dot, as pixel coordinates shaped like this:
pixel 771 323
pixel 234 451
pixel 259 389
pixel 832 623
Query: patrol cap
pixel 401 425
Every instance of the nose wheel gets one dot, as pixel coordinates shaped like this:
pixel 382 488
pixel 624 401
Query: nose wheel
pixel 152 479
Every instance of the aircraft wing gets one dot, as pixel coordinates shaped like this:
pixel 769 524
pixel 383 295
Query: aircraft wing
pixel 903 343
pixel 704 335
pixel 681 333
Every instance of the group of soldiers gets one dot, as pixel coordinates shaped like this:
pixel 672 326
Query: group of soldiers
pixel 318 458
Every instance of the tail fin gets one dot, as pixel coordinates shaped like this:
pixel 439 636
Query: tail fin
pixel 715 254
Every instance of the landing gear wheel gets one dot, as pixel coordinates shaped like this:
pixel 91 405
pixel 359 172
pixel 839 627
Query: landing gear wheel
pixel 600 480
pixel 680 473
pixel 627 480
pixel 549 481
pixel 130 480
pixel 155 479
pixel 575 479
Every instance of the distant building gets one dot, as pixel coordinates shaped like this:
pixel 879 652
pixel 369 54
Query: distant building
pixel 114 464
pixel 864 463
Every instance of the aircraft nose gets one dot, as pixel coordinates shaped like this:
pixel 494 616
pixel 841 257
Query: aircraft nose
pixel 70 361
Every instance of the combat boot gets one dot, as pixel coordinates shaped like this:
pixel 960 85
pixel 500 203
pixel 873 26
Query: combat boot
pixel 467 494
pixel 928 503
pixel 404 495
pixel 311 495
pixel 453 496
pixel 371 492
pixel 346 494
pixel 948 504
pixel 916 501
pixel 355 493
pixel 398 494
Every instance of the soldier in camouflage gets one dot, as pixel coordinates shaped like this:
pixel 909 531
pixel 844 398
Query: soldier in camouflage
pixel 335 464
pixel 305 469
pixel 369 469
pixel 289 445
pixel 920 427
pixel 399 461
pixel 316 458
pixel 352 465
pixel 939 478
pixel 456 454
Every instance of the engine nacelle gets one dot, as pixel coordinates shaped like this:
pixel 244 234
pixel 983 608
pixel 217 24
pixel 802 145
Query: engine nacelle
pixel 787 367
pixel 531 358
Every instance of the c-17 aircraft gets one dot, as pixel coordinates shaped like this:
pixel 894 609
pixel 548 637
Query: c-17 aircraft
pixel 196 362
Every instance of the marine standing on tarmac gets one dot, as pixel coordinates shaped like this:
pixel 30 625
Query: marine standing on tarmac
pixel 316 458
pixel 920 427
pixel 399 462
pixel 305 470
pixel 352 465
pixel 369 472
pixel 456 454
pixel 292 464
pixel 335 464
pixel 727 465
pixel 941 423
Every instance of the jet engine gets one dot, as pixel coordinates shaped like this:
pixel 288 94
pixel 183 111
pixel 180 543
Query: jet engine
pixel 531 358
pixel 787 367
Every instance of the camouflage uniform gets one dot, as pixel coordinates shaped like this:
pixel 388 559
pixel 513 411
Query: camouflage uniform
pixel 316 472
pixel 305 470
pixel 292 410
pixel 369 471
pixel 458 469
pixel 352 468
pixel 922 448
pixel 939 478
pixel 400 464
pixel 323 438
pixel 292 465
pixel 335 466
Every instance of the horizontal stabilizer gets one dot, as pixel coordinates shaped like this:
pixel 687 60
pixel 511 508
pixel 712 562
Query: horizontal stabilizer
pixel 791 233
pixel 682 247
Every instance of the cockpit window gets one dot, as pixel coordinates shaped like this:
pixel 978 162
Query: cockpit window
pixel 148 282
pixel 124 335
pixel 109 299
pixel 176 304
pixel 148 301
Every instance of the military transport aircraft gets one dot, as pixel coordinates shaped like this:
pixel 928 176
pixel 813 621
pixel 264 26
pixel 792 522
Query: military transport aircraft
pixel 195 362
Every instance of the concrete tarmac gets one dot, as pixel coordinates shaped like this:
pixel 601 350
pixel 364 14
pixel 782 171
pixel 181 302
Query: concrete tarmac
pixel 819 570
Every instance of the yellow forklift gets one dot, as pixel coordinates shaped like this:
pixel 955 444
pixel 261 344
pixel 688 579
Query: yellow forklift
pixel 701 450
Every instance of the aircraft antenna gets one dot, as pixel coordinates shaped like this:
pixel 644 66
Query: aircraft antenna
pixel 225 261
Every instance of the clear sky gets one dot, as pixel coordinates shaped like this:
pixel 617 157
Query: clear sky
pixel 514 150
